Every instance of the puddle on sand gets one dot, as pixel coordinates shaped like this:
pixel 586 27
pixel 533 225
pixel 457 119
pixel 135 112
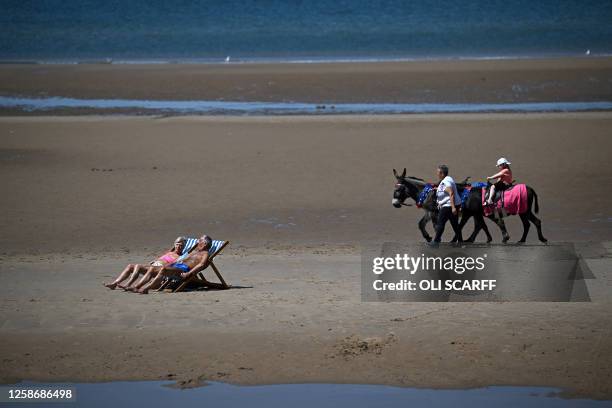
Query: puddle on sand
pixel 290 108
pixel 158 394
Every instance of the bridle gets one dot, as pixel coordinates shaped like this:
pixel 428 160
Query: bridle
pixel 400 185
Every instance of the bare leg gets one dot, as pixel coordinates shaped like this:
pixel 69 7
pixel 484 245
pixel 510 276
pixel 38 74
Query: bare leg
pixel 491 194
pixel 122 276
pixel 137 272
pixel 166 271
pixel 148 275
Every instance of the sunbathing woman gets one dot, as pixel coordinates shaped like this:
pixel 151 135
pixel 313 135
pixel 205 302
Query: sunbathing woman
pixel 136 269
pixel 186 268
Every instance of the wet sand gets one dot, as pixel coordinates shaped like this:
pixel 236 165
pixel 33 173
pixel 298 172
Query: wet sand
pixel 296 196
pixel 443 81
pixel 95 184
pixel 296 317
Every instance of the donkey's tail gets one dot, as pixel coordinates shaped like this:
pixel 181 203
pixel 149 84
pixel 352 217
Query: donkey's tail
pixel 535 198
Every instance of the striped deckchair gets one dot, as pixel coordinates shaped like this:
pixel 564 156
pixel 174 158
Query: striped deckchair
pixel 215 249
pixel 189 245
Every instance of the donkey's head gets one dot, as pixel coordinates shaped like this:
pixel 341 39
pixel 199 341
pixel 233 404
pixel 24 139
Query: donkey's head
pixel 404 189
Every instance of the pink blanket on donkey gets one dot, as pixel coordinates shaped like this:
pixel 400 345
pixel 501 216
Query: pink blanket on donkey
pixel 515 201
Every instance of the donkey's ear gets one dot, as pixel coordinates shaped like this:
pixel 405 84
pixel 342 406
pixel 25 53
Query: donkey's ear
pixel 404 173
pixel 395 173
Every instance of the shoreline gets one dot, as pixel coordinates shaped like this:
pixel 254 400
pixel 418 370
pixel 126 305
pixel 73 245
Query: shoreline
pixel 408 82
pixel 289 60
pixel 67 106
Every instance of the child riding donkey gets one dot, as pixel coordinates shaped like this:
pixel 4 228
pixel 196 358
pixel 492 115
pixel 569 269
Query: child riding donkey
pixel 503 177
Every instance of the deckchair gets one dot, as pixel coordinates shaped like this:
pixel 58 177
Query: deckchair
pixel 215 249
pixel 190 243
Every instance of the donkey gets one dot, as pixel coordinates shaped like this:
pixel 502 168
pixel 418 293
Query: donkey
pixel 473 208
pixel 412 187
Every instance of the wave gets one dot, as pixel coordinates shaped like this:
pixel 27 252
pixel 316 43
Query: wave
pixel 296 60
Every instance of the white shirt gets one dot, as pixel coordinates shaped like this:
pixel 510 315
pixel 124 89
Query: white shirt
pixel 443 197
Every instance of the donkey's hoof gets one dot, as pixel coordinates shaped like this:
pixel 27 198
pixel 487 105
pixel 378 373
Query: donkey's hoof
pixel 428 239
pixel 522 241
pixel 489 240
pixel 543 240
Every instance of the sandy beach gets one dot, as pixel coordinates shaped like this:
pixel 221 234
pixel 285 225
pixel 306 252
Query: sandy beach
pixel 297 147
pixel 92 184
pixel 298 319
pixel 436 81
pixel 297 197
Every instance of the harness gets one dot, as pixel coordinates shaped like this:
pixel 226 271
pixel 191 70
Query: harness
pixel 423 194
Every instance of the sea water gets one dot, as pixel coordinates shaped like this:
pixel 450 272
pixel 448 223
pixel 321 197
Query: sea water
pixel 300 30
pixel 154 394
pixel 284 108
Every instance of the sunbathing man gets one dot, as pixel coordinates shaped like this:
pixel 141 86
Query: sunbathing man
pixel 188 267
pixel 136 269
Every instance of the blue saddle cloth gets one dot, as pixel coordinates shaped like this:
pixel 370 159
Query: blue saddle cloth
pixel 468 188
pixel 423 194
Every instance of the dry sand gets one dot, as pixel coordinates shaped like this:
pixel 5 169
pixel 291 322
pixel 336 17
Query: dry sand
pixel 296 196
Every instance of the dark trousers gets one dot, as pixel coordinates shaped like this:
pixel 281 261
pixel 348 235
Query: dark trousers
pixel 446 214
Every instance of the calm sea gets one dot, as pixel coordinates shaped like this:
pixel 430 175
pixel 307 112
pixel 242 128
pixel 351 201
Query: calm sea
pixel 154 30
